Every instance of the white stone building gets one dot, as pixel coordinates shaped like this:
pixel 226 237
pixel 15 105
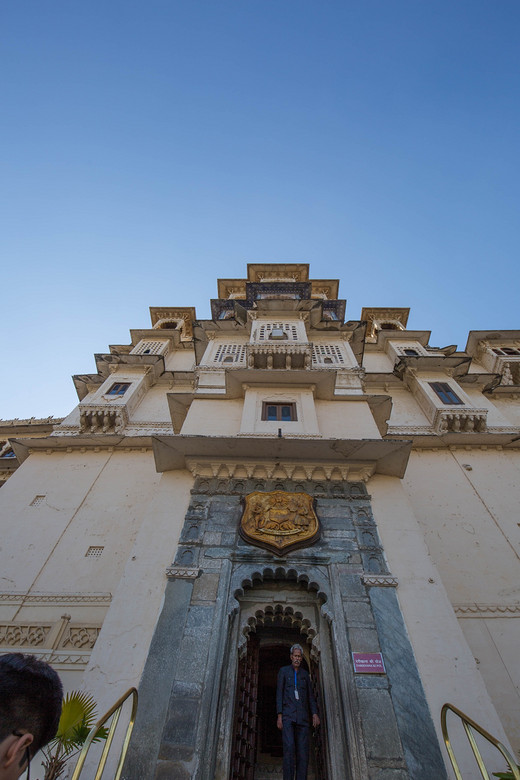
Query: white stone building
pixel 124 559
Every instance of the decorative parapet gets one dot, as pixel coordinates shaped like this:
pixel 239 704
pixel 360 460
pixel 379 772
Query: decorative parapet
pixel 182 573
pixel 460 421
pixel 380 580
pixel 178 319
pixel 21 635
pixel 102 419
pixel 379 318
pixel 57 636
pixel 285 355
pixel 500 358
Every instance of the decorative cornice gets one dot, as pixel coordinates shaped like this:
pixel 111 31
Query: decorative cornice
pixel 132 429
pixel 487 610
pixel 15 422
pixel 286 435
pixel 226 468
pixel 63 599
pixel 148 429
pixel 380 580
pixel 181 573
pixel 60 659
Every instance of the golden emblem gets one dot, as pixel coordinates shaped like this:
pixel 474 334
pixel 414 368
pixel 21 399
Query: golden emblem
pixel 279 521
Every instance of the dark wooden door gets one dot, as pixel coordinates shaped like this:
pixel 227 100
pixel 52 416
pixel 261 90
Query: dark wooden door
pixel 245 721
pixel 320 735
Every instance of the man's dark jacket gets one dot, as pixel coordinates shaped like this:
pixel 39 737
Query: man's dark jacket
pixel 295 710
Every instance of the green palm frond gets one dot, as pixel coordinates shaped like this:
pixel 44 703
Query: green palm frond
pixel 78 715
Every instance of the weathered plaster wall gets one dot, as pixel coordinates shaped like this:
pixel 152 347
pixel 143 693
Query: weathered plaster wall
pixel 509 408
pixel 153 407
pixel 213 417
pixel 346 419
pixel 180 360
pixel 466 503
pixel 377 361
pixel 437 536
pixel 118 657
pixel 405 409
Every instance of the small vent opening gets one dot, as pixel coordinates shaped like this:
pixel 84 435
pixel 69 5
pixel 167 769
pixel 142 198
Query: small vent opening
pixel 94 552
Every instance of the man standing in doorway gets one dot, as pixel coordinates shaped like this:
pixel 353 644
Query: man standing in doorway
pixel 294 699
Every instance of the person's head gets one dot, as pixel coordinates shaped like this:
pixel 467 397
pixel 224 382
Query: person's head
pixel 30 707
pixel 296 655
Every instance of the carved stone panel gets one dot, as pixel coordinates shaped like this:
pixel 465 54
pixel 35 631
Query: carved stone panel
pixel 279 521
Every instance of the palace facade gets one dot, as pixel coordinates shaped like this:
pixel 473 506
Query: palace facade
pixel 277 474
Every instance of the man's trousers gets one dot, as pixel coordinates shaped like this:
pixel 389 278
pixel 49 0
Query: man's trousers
pixel 295 741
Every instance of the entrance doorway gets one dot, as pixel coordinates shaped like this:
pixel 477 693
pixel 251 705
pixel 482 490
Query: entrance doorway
pixel 257 750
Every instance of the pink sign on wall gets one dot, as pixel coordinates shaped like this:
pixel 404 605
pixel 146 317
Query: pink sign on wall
pixel 368 663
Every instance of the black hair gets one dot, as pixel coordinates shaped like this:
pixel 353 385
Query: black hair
pixel 31 694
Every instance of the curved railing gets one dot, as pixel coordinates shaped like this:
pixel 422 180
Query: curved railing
pixel 116 712
pixel 470 727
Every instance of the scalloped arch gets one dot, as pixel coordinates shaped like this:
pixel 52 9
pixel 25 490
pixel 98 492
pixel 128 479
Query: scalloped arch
pixel 248 576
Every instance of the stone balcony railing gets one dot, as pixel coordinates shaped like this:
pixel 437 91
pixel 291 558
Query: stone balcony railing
pixel 280 355
pixel 460 421
pixel 102 419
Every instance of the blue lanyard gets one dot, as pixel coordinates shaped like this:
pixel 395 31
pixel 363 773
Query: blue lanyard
pixel 295 681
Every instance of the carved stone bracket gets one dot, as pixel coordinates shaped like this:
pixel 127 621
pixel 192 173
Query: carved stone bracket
pixel 181 573
pixel 380 580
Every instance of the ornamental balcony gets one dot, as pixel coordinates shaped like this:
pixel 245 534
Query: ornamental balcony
pixel 460 421
pixel 102 419
pixel 284 355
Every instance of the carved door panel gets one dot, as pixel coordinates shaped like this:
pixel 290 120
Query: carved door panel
pixel 245 721
pixel 320 737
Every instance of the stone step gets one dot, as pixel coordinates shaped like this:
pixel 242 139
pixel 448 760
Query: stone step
pixel 265 771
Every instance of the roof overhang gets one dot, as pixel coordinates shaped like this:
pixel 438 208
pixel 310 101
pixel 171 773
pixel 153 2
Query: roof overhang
pixel 389 457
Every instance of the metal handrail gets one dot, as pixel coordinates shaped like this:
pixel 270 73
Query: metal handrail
pixel 469 727
pixel 116 712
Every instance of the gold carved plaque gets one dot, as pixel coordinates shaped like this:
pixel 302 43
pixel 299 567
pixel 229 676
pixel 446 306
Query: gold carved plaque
pixel 279 521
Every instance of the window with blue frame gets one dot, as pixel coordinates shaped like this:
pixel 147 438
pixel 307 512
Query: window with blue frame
pixel 279 412
pixel 446 393
pixel 118 388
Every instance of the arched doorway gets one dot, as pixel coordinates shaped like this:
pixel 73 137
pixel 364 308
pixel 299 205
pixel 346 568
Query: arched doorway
pixel 257 744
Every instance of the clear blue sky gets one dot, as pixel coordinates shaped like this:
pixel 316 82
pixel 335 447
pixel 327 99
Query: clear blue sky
pixel 149 147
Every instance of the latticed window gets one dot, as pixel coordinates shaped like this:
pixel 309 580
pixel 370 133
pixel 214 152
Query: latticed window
pixel 327 353
pixel 507 351
pixel 277 330
pixel 230 353
pixel 150 348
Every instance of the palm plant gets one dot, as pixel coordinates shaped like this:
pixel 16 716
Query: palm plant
pixel 505 775
pixel 78 715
